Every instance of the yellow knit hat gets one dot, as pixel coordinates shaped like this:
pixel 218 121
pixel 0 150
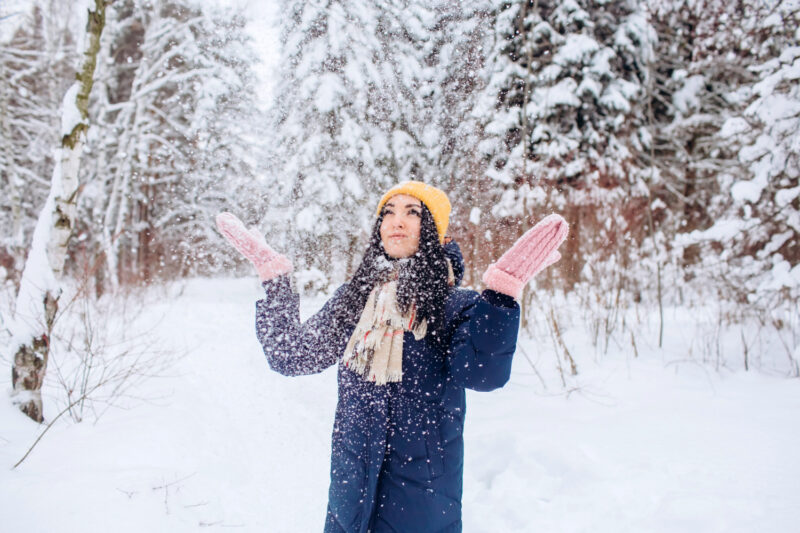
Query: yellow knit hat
pixel 434 199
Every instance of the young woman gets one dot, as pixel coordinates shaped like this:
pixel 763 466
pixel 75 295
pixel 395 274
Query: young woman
pixel 408 342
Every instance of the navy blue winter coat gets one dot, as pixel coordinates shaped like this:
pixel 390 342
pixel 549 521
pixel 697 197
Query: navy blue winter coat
pixel 397 454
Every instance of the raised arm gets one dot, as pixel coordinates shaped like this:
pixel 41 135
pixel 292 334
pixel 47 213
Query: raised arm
pixel 486 330
pixel 484 339
pixel 292 348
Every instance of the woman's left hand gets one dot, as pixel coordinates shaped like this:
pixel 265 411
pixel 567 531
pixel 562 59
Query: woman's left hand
pixel 533 252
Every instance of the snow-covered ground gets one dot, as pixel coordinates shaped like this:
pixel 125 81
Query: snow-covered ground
pixel 218 441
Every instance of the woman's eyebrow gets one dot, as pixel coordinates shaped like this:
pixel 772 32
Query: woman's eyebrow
pixel 390 204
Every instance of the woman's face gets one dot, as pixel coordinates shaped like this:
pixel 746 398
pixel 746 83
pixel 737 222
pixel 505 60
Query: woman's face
pixel 402 218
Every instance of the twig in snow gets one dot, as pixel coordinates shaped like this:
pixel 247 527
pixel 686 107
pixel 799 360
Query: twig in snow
pixel 201 504
pixel 167 485
pixel 47 428
pixel 699 365
pixel 530 362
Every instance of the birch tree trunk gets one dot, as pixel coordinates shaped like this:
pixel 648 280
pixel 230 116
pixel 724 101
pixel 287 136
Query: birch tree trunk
pixel 39 292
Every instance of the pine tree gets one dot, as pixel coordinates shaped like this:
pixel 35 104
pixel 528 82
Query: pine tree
pixel 335 143
pixel 459 40
pixel 371 94
pixel 564 118
pixel 725 120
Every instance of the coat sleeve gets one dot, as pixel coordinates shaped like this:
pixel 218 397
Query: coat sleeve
pixel 294 348
pixel 484 341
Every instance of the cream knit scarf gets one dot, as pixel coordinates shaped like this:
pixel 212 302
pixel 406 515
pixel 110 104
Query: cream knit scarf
pixel 375 350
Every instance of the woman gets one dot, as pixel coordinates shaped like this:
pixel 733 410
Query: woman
pixel 408 343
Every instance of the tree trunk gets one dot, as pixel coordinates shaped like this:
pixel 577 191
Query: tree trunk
pixel 37 300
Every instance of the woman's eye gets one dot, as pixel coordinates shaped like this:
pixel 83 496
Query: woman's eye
pixel 415 212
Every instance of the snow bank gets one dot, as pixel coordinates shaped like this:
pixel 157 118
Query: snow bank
pixel 654 443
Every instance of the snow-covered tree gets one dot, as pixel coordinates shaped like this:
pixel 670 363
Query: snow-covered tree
pixel 178 138
pixel 359 108
pixel 454 132
pixel 331 124
pixel 725 117
pixel 564 119
pixel 729 147
pixel 38 297
pixel 35 65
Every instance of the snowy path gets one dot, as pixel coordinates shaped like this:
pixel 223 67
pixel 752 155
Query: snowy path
pixel 228 444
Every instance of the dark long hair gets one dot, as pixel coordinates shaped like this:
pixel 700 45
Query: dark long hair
pixel 422 277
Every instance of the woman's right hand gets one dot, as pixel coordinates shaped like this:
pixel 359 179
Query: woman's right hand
pixel 251 243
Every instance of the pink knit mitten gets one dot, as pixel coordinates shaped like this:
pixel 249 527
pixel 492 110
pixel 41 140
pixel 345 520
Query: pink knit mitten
pixel 533 252
pixel 251 244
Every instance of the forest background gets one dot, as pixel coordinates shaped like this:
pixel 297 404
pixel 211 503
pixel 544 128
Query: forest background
pixel 654 386
pixel 667 132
